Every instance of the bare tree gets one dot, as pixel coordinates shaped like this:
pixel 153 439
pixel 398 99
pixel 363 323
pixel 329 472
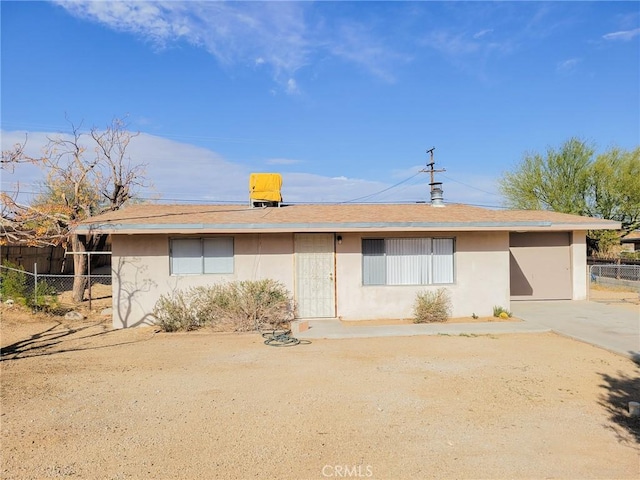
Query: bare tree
pixel 13 156
pixel 86 173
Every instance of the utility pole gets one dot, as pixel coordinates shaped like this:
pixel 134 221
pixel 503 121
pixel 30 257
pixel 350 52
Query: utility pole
pixel 436 187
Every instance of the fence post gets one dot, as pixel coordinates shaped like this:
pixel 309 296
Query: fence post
pixel 35 285
pixel 89 277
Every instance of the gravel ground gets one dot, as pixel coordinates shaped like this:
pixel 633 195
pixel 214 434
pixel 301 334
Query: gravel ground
pixel 81 400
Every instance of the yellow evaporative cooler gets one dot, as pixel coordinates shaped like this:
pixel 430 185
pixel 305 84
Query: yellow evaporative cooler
pixel 264 189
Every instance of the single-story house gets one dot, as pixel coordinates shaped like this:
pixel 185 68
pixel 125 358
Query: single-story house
pixel 349 261
pixel 632 241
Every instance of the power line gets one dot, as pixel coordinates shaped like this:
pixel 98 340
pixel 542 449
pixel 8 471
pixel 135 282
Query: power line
pixel 471 186
pixel 381 191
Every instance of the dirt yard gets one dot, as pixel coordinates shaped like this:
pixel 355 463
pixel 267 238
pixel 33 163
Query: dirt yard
pixel 81 400
pixel 611 295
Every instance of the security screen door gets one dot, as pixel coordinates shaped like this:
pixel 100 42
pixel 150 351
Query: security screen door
pixel 315 275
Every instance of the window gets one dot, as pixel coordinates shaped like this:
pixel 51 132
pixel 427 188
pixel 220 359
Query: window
pixel 196 256
pixel 407 261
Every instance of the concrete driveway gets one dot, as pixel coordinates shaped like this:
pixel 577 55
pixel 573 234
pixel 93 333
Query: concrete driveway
pixel 613 327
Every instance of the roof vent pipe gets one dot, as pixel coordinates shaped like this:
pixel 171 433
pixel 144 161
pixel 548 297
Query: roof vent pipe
pixel 436 194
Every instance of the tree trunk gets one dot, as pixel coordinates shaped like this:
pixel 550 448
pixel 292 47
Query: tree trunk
pixel 79 268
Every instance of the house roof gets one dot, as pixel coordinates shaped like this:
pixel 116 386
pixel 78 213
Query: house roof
pixel 633 237
pixel 196 219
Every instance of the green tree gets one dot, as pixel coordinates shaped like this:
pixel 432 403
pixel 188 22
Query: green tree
pixel 615 181
pixel 571 179
pixel 557 181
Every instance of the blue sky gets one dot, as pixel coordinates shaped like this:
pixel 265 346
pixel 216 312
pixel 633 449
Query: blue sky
pixel 342 98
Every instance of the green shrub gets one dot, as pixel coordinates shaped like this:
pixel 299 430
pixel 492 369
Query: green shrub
pixel 239 306
pixel 14 285
pixel 432 306
pixel 501 312
pixel 13 282
pixel 44 298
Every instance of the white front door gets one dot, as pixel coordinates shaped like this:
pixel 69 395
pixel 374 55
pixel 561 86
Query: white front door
pixel 315 274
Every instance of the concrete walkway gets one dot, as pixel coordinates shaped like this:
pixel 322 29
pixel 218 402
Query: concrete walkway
pixel 614 328
pixel 333 328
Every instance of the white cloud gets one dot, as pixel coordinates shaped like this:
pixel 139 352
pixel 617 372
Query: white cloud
pixel 624 35
pixel 180 172
pixel 245 33
pixel 354 43
pixel 292 87
pixel 451 44
pixel 282 161
pixel 466 52
pixel 277 34
pixel 482 33
pixel 456 45
pixel 567 66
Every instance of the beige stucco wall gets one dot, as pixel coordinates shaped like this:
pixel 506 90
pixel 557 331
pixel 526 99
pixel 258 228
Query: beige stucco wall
pixel 579 269
pixel 481 279
pixel 141 275
pixel 141 272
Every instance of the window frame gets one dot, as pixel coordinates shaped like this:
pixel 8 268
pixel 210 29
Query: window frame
pixel 429 259
pixel 203 264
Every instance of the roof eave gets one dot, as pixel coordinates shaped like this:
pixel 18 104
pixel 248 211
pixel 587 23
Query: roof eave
pixel 132 229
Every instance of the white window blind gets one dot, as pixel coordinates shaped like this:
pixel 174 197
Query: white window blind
pixel 195 256
pixel 442 259
pixel 218 255
pixel 407 261
pixel 186 256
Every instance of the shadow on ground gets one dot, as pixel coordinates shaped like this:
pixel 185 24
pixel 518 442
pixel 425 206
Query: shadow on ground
pixel 60 338
pixel 621 390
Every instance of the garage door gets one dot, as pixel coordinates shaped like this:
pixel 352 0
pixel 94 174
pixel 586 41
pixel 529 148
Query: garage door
pixel 540 266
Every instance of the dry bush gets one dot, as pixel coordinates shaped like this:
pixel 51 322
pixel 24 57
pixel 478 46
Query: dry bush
pixel 248 305
pixel 237 306
pixel 177 312
pixel 432 306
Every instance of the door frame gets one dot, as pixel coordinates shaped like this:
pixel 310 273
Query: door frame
pixel 330 281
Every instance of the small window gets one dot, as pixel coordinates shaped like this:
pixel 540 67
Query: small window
pixel 197 256
pixel 407 261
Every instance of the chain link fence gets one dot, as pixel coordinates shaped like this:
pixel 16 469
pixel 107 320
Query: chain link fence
pixel 613 274
pixel 37 289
